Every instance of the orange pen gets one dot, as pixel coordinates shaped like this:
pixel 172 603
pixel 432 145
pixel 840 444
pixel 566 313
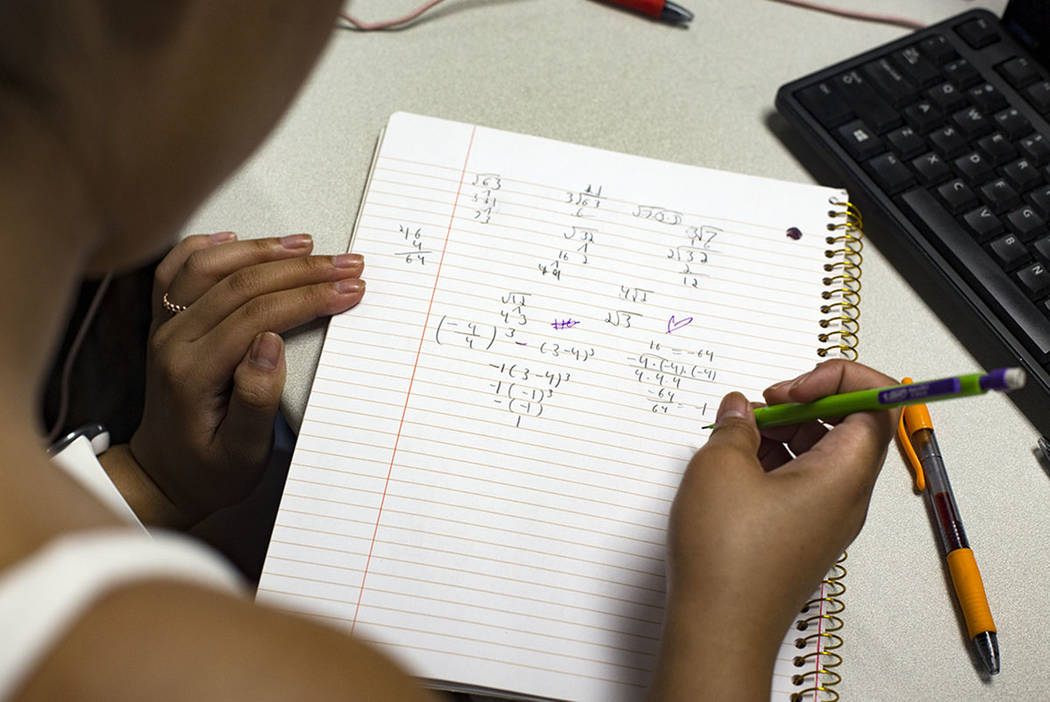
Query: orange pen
pixel 915 434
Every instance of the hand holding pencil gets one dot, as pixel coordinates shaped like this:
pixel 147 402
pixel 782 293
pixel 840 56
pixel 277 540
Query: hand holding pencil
pixel 759 519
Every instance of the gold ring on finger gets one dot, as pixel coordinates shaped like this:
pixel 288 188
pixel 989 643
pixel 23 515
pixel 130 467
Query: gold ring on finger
pixel 170 306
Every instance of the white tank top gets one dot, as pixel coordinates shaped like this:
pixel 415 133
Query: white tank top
pixel 42 596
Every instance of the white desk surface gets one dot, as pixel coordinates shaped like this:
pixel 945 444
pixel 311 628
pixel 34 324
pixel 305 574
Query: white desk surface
pixel 583 72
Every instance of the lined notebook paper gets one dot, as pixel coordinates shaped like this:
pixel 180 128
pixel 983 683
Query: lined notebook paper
pixel 495 434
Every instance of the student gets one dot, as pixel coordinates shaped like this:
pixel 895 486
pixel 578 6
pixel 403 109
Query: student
pixel 116 120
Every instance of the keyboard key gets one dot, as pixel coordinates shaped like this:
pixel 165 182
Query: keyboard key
pixel 946 97
pixel 1018 72
pixel 961 73
pixel 1002 294
pixel 973 166
pixel 986 97
pixel 1040 197
pixel 984 223
pixel 932 168
pixel 999 194
pixel 1022 173
pixel 1025 222
pixel 1009 251
pixel 859 140
pixel 971 121
pixel 865 101
pixel 1039 95
pixel 893 85
pixel 892 175
pixel 923 116
pixel 938 48
pixel 906 142
pixel 1042 248
pixel 978 33
pixel 1012 122
pixel 1035 148
pixel 957 195
pixel 825 104
pixel 997 147
pixel 917 67
pixel 949 141
pixel 1035 279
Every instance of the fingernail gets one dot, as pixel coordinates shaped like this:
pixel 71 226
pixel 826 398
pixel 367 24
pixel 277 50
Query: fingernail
pixel 219 237
pixel 349 285
pixel 733 405
pixel 266 350
pixel 296 241
pixel 777 386
pixel 347 260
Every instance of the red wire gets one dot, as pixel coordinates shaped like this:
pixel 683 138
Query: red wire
pixel 387 24
pixel 855 14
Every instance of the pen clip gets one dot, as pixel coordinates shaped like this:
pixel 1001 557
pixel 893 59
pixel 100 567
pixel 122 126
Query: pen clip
pixel 904 437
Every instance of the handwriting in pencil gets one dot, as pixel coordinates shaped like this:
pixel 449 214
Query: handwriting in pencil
pixel 580 353
pixel 619 318
pixel 526 391
pixel 414 238
pixel 634 294
pixel 552 269
pixel 666 372
pixel 674 324
pixel 585 201
pixel 581 239
pixel 702 236
pixel 700 353
pixel 512 310
pixel 695 254
pixel 658 214
pixel 489 181
pixel 674 368
pixel 473 335
pixel 689 254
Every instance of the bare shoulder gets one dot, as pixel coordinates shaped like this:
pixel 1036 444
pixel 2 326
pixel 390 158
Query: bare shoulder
pixel 162 640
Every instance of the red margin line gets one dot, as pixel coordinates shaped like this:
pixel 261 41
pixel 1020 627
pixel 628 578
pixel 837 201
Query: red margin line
pixel 412 378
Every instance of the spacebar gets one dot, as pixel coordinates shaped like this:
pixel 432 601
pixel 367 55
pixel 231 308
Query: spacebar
pixel 1028 323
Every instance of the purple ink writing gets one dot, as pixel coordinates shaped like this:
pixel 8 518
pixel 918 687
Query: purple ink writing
pixel 674 324
pixel 794 233
pixel 564 323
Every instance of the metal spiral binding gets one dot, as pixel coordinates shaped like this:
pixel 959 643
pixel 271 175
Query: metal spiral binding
pixel 842 293
pixel 818 683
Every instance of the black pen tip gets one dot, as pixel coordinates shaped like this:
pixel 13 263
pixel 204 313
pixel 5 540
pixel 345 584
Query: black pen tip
pixel 673 12
pixel 987 644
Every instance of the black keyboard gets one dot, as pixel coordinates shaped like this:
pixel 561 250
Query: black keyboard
pixel 946 131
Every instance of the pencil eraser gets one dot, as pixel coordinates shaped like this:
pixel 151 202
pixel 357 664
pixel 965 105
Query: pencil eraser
pixel 1014 378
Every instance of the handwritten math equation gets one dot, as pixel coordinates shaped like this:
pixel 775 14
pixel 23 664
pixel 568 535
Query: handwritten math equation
pixel 483 199
pixel 413 250
pixel 522 390
pixel 531 347
pixel 664 372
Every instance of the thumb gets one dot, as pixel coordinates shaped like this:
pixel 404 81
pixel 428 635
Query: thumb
pixel 735 427
pixel 257 384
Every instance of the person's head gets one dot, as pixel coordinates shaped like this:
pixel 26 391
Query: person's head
pixel 145 107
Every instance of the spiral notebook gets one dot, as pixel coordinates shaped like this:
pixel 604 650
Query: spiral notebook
pixel 495 434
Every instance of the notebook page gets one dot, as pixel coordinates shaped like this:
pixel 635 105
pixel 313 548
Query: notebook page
pixel 496 433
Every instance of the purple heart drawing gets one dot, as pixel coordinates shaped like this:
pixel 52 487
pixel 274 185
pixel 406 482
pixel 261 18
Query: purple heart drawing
pixel 674 325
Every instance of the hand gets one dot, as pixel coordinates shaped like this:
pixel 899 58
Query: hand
pixel 753 531
pixel 216 370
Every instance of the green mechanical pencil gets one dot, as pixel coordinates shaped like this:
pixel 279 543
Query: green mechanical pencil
pixel 832 406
